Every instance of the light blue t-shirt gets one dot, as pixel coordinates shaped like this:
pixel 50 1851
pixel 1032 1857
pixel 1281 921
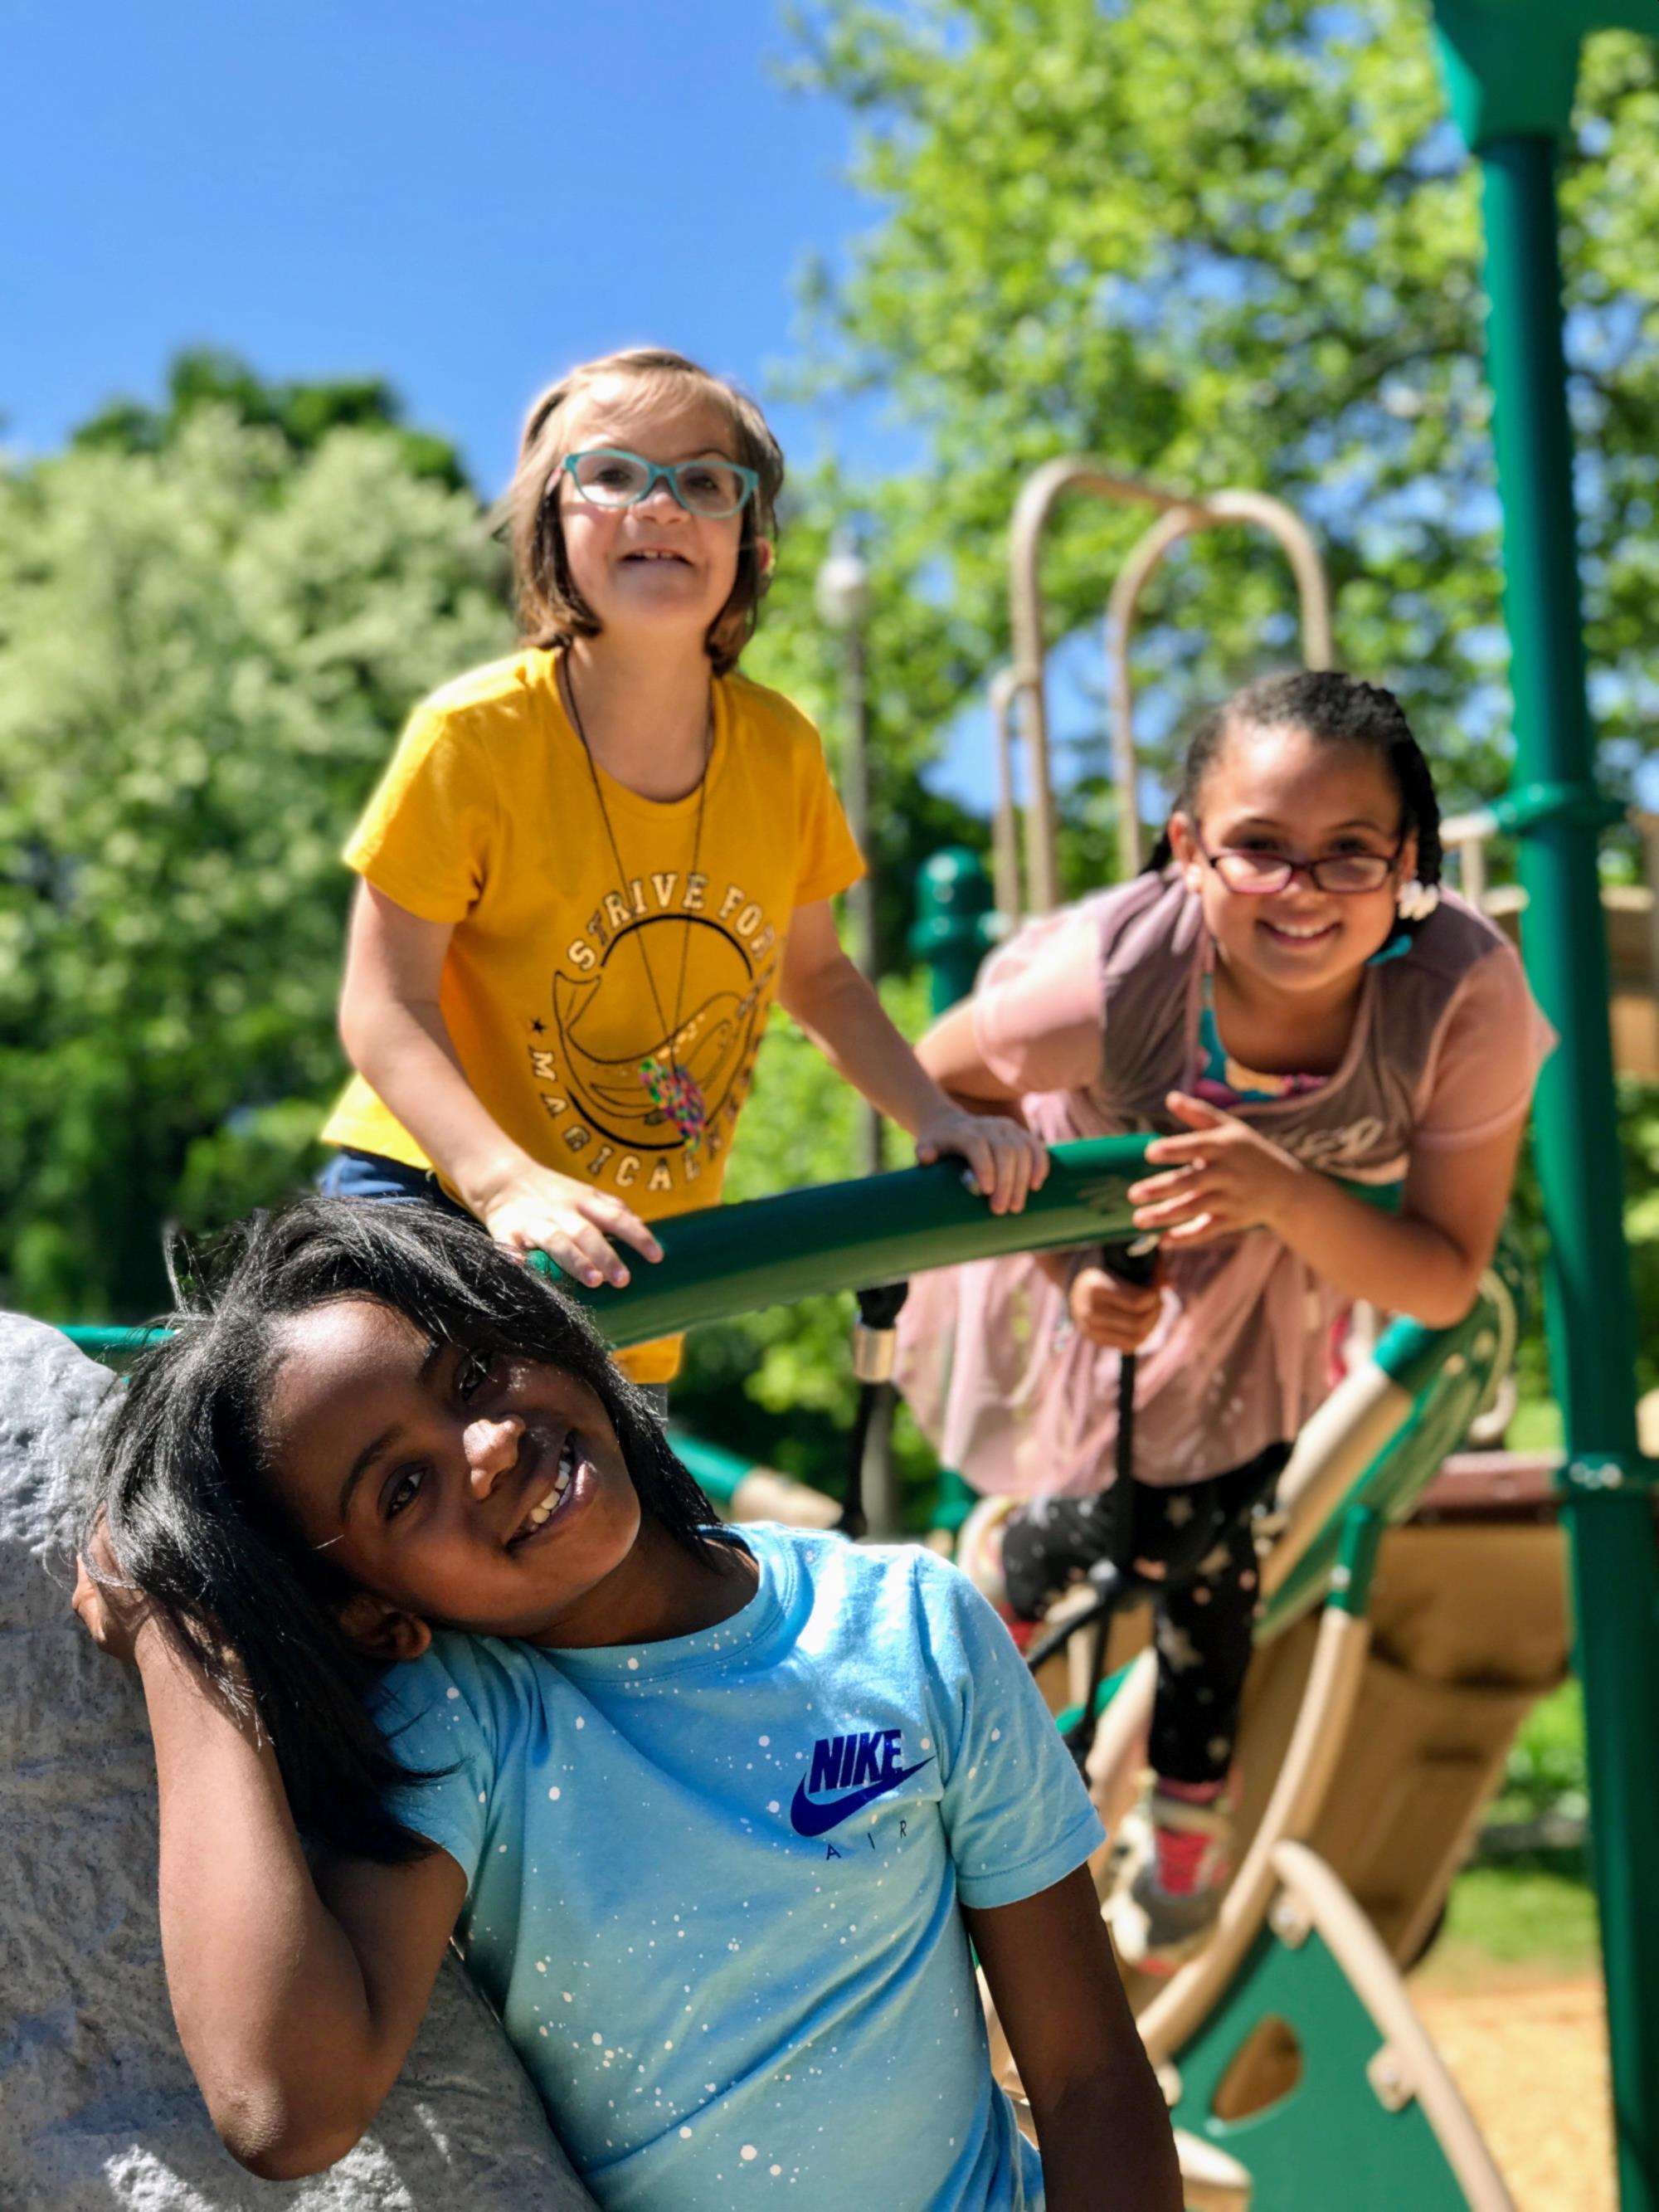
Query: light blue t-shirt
pixel 713 1882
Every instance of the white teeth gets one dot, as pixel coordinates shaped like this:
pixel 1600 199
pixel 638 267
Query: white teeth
pixel 542 1511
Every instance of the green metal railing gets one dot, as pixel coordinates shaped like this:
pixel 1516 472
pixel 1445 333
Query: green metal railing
pixel 730 1259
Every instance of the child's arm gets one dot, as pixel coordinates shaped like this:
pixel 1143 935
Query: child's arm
pixel 842 1014
pixel 1426 1261
pixel 392 1027
pixel 1117 1315
pixel 295 2018
pixel 1101 2121
pixel 951 1054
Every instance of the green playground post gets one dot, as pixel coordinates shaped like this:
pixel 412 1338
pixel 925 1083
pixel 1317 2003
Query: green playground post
pixel 955 925
pixel 1511 70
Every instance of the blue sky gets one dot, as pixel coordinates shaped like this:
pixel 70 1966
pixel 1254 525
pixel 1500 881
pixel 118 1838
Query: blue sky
pixel 464 199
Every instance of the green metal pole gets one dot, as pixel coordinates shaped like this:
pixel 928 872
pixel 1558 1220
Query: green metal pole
pixel 1555 804
pixel 955 925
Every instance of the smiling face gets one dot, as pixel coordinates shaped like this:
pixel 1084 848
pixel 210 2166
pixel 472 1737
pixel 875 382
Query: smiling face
pixel 457 1489
pixel 1280 790
pixel 653 566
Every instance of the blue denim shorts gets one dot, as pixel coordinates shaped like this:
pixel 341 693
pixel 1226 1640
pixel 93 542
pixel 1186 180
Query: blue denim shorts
pixel 371 1174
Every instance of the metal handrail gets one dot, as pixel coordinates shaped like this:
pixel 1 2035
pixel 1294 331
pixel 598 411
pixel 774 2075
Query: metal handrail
pixel 1179 514
pixel 1146 557
pixel 1039 496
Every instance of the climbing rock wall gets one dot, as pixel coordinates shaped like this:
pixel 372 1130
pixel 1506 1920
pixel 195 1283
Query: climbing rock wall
pixel 98 2110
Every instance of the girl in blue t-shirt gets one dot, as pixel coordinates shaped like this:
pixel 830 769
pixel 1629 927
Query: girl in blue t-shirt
pixel 437 1638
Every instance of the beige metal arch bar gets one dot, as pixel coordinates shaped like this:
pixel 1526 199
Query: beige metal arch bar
pixel 1146 557
pixel 1004 837
pixel 1039 496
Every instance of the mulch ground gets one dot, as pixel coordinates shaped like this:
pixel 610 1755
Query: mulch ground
pixel 1530 2057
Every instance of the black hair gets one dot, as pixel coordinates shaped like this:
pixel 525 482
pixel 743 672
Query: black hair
pixel 182 1468
pixel 1337 709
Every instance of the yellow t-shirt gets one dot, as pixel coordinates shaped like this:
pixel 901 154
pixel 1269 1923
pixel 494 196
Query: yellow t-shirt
pixel 568 973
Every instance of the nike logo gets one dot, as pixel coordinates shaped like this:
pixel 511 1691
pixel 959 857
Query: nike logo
pixel 809 1819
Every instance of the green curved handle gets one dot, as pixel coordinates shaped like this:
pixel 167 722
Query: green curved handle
pixel 727 1260
pixel 730 1259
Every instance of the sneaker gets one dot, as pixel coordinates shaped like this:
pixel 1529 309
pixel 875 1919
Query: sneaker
pixel 1173 1872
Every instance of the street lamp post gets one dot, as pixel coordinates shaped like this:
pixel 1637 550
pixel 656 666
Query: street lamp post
pixel 843 595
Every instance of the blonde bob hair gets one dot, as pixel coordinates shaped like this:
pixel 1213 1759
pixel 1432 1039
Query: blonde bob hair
pixel 551 612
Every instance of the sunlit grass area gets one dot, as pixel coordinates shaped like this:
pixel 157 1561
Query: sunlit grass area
pixel 1540 1912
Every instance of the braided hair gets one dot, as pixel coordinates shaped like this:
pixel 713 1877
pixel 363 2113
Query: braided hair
pixel 1336 709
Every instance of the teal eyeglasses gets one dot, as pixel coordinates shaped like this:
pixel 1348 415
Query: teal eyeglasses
pixel 606 477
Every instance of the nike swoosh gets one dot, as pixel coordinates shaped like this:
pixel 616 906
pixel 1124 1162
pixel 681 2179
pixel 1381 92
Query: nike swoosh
pixel 809 1818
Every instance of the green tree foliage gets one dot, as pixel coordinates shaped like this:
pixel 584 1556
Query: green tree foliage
pixel 916 676
pixel 302 414
pixel 1230 242
pixel 216 617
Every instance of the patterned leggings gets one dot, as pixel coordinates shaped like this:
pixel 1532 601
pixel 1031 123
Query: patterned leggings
pixel 1205 1606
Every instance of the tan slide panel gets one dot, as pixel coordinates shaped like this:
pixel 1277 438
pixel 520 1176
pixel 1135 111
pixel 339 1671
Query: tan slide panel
pixel 1298 1798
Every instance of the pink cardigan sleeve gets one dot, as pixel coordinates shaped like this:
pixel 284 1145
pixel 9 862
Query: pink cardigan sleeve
pixel 1038 1013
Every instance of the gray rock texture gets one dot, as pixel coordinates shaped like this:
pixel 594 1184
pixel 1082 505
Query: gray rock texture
pixel 99 2111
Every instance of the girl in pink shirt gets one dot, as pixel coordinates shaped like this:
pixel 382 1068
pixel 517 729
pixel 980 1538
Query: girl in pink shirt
pixel 1287 998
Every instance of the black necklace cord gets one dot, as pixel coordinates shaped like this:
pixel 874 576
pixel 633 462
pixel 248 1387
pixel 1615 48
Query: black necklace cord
pixel 671 1035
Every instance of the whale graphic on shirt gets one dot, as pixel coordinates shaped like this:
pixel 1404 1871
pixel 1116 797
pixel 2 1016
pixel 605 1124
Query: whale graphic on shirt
pixel 708 1044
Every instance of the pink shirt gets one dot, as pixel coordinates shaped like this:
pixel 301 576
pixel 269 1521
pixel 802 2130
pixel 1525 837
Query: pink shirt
pixel 1092 1015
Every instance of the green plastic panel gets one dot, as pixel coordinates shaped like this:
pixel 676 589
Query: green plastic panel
pixel 1329 2142
pixel 1449 1373
pixel 718 1471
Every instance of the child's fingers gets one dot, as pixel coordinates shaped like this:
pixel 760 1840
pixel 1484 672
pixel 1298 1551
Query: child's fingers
pixel 1099 1285
pixel 86 1600
pixel 1196 1112
pixel 1197 1197
pixel 1151 1189
pixel 616 1219
pixel 1202 1229
pixel 1127 1298
pixel 1108 1335
pixel 1164 1150
pixel 576 1246
pixel 1011 1160
pixel 978 1151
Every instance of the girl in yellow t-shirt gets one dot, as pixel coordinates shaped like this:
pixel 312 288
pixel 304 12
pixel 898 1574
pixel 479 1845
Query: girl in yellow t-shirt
pixel 590 867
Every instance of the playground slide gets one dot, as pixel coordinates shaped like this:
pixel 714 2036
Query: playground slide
pixel 1373 1734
